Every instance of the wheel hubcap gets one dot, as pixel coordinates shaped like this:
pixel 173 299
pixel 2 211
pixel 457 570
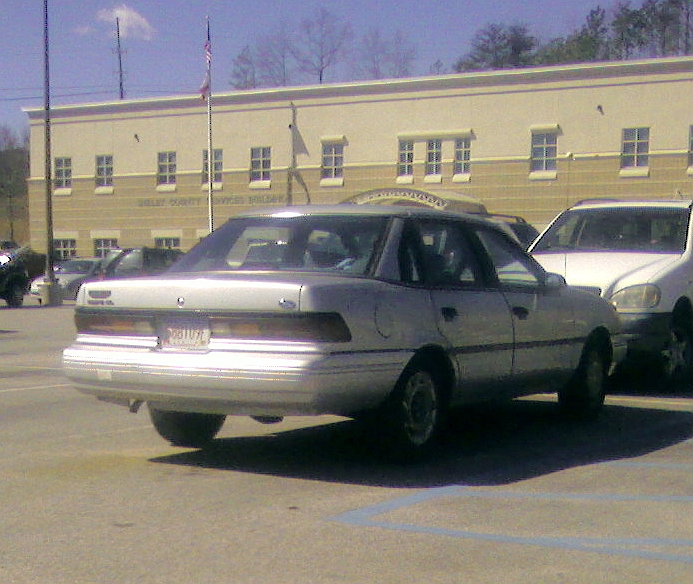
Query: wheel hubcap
pixel 678 355
pixel 421 408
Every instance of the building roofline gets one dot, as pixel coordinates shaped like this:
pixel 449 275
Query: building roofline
pixel 498 78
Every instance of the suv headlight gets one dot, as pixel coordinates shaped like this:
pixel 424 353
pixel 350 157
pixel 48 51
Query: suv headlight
pixel 640 296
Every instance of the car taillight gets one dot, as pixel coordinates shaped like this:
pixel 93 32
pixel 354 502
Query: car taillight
pixel 317 327
pixel 114 324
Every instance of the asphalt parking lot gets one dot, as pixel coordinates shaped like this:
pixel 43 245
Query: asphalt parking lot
pixel 515 495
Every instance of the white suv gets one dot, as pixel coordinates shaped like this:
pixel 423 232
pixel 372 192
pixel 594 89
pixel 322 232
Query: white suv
pixel 638 255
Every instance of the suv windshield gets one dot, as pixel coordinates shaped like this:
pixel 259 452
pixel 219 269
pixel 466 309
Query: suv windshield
pixel 314 242
pixel 619 229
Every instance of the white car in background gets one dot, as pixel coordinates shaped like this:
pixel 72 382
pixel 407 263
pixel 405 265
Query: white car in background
pixel 387 313
pixel 639 256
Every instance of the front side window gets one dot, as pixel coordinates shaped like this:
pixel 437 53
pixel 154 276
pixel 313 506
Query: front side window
pixel 166 168
pixel 217 168
pixel 332 160
pixel 513 268
pixel 103 245
pixel 104 170
pixel 544 151
pixel 462 156
pixel 63 173
pixel 260 163
pixel 635 147
pixel 405 164
pixel 434 156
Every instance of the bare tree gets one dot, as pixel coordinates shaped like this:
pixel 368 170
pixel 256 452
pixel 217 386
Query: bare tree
pixel 243 74
pixel 274 59
pixel 321 43
pixel 403 54
pixel 372 55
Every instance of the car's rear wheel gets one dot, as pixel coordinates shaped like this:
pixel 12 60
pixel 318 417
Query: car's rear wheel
pixel 15 296
pixel 186 428
pixel 583 396
pixel 412 417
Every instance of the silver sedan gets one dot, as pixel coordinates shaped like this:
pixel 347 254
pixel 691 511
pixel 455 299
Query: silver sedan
pixel 389 314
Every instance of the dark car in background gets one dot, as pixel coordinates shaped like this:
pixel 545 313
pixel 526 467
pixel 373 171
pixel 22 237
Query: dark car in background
pixel 137 261
pixel 17 268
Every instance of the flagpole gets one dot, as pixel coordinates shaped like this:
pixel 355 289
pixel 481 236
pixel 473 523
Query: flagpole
pixel 210 151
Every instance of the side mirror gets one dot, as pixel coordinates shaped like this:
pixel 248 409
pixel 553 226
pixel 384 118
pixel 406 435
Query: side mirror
pixel 554 281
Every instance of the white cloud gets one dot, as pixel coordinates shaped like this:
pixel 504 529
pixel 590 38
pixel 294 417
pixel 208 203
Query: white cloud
pixel 132 23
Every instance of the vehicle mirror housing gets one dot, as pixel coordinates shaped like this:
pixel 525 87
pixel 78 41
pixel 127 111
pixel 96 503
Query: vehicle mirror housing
pixel 555 281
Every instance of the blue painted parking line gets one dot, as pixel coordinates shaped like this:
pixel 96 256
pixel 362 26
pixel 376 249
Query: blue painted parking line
pixel 632 547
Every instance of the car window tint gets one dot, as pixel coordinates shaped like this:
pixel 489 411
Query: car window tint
pixel 511 265
pixel 316 243
pixel 618 229
pixel 447 258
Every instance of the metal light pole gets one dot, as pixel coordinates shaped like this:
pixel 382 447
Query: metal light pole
pixel 49 292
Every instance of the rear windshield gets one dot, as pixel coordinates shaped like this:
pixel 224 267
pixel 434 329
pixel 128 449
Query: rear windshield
pixel 634 229
pixel 314 243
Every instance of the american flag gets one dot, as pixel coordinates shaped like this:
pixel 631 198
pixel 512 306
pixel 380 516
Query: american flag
pixel 206 86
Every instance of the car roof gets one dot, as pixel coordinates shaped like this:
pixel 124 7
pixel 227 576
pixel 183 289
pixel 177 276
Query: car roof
pixel 350 210
pixel 621 204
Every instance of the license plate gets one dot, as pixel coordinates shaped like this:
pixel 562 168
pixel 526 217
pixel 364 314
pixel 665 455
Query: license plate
pixel 185 335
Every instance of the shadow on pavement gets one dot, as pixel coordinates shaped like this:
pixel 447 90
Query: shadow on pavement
pixel 485 445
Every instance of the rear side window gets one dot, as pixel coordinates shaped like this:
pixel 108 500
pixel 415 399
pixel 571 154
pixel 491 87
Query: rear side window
pixel 348 244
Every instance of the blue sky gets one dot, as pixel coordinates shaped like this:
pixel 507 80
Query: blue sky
pixel 162 41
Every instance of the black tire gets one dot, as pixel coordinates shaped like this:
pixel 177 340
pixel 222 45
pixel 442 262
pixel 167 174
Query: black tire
pixel 186 429
pixel 15 296
pixel 583 397
pixel 677 365
pixel 410 421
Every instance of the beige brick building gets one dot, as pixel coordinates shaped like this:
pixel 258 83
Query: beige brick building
pixel 527 142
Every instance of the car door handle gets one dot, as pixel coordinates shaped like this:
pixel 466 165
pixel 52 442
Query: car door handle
pixel 520 312
pixel 449 313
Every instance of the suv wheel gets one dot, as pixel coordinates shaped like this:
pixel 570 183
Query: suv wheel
pixel 678 358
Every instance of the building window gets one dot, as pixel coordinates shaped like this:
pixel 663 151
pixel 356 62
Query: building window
pixel 544 152
pixel 434 156
pixel 167 242
pixel 463 149
pixel 166 168
pixel 103 245
pixel 635 147
pixel 63 173
pixel 332 161
pixel 260 163
pixel 405 164
pixel 64 248
pixel 104 170
pixel 217 166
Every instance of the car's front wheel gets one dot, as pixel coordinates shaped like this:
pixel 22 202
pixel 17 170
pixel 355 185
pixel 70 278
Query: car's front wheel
pixel 15 296
pixel 185 428
pixel 412 417
pixel 678 358
pixel 583 396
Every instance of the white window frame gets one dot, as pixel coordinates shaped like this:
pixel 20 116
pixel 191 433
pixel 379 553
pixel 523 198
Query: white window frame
pixel 635 152
pixel 64 247
pixel 332 164
pixel 461 165
pixel 166 170
pixel 217 166
pixel 405 161
pixel 260 166
pixel 62 180
pixel 434 160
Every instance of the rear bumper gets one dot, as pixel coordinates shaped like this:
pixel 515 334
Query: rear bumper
pixel 248 383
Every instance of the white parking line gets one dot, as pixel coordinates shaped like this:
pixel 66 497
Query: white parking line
pixel 33 387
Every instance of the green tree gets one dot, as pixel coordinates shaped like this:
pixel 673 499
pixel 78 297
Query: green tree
pixel 499 46
pixel 14 171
